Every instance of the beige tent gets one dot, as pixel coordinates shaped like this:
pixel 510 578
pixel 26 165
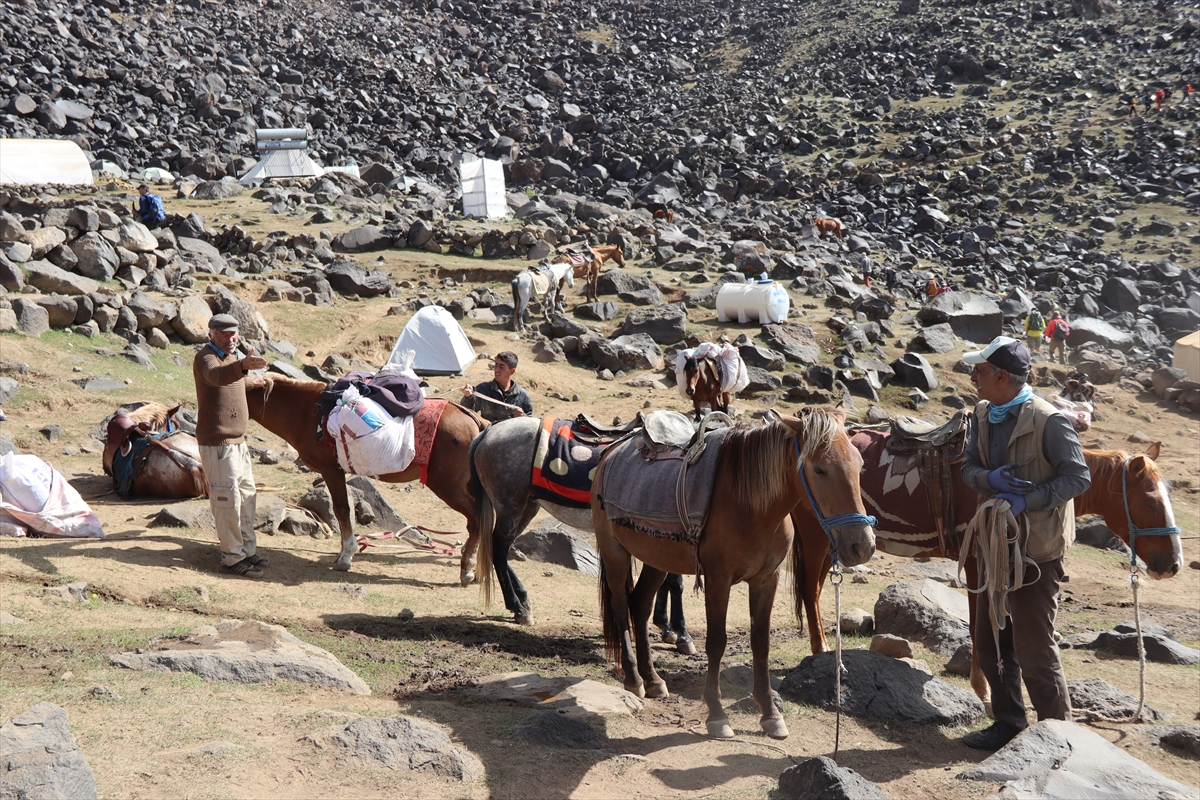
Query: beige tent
pixel 31 162
pixel 1187 355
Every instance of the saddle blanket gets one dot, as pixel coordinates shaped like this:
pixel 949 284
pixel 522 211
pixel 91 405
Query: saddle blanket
pixel 643 495
pixel 541 281
pixel 126 466
pixel 425 427
pixel 893 491
pixel 564 466
pixel 580 258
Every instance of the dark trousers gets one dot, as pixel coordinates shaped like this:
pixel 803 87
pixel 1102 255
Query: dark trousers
pixel 1027 650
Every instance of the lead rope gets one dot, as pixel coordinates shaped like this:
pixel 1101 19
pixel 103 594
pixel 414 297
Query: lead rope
pixel 835 578
pixel 1137 624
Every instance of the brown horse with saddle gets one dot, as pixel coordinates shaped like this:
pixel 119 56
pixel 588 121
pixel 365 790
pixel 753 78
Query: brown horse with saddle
pixel 148 456
pixel 912 482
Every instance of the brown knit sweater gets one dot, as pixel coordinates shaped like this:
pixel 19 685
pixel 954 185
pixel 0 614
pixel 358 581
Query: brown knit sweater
pixel 221 397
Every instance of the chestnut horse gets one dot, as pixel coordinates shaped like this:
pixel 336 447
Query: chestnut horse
pixel 146 463
pixel 702 384
pixel 1145 495
pixel 287 408
pixel 764 472
pixel 610 252
pixel 825 225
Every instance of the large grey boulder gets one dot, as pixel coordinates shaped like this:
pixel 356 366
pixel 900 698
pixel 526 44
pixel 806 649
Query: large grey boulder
pixel 217 190
pixel 361 240
pixel 350 278
pixel 246 652
pixel 925 611
pixel 585 699
pixel 51 279
pixel 1058 760
pixel 201 255
pixel 1089 329
pixel 149 312
pixel 32 319
pixel 250 322
pixel 43 240
pixel 60 307
pixel 1093 696
pixel 911 369
pixel 1160 646
pixel 664 324
pixel 96 256
pixel 400 743
pixel 136 237
pixel 970 315
pixel 386 516
pixel 820 778
pixel 634 352
pixel 878 686
pixel 40 759
pixel 934 339
pixel 11 277
pixel 191 320
pixel 553 546
pixel 797 342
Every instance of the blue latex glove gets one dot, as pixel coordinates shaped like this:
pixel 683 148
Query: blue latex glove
pixel 1003 480
pixel 1017 501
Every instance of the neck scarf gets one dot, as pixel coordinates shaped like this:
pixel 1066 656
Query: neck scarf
pixel 996 414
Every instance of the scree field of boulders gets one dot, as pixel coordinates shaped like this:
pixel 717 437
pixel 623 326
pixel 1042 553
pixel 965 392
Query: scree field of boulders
pixel 1028 156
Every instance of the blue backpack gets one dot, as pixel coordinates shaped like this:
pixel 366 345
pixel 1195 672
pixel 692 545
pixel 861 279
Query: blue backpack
pixel 157 212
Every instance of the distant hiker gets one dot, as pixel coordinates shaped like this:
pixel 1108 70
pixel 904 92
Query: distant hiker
pixel 1133 105
pixel 1035 323
pixel 1158 99
pixel 931 288
pixel 891 280
pixel 1189 93
pixel 1056 334
pixel 150 208
pixel 1146 102
pixel 866 275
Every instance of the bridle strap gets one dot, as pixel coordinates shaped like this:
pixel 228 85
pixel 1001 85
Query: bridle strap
pixel 829 523
pixel 1134 530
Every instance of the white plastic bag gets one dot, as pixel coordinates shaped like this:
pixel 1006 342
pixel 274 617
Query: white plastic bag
pixel 56 508
pixel 387 449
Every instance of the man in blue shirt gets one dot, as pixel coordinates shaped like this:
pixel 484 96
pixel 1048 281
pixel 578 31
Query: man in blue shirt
pixel 150 208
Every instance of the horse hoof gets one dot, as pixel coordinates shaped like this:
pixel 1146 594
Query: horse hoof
pixel 341 566
pixel 523 619
pixel 669 636
pixel 774 727
pixel 658 690
pixel 638 691
pixel 466 578
pixel 686 647
pixel 720 729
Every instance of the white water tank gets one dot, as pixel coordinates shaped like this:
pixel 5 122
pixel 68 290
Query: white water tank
pixel 768 302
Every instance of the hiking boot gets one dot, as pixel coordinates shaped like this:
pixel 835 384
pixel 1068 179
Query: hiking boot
pixel 245 568
pixel 259 561
pixel 991 738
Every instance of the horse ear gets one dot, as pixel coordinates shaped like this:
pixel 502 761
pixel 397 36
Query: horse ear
pixel 1154 450
pixel 173 411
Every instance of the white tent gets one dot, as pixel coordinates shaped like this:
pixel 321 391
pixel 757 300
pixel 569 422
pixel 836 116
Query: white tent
pixel 30 162
pixel 1187 355
pixel 282 153
pixel 438 340
pixel 482 182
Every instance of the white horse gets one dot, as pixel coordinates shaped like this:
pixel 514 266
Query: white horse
pixel 545 281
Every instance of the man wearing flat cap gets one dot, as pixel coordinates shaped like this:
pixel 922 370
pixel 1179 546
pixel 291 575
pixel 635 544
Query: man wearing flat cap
pixel 1023 451
pixel 220 374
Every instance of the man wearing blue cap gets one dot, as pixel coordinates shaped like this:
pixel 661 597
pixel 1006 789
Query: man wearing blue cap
pixel 1023 451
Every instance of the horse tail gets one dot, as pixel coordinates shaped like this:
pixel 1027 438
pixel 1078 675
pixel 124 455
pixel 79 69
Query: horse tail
pixel 613 633
pixel 799 577
pixel 485 521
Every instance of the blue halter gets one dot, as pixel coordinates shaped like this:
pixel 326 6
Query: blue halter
pixel 829 523
pixel 1134 530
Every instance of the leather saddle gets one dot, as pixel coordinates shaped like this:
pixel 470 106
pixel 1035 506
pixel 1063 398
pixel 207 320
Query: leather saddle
pixel 936 449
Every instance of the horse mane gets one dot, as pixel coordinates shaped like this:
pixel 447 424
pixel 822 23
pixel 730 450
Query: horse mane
pixel 1108 465
pixel 763 457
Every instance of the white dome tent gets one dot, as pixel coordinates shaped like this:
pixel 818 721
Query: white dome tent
pixel 438 342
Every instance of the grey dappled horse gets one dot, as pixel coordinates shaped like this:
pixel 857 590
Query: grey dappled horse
pixel 552 300
pixel 501 467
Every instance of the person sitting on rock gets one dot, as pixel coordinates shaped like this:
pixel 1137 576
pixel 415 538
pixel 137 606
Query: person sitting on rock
pixel 150 209
pixel 500 398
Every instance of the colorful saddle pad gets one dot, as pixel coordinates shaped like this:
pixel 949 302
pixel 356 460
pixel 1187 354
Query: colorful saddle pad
pixel 643 494
pixel 425 426
pixel 563 464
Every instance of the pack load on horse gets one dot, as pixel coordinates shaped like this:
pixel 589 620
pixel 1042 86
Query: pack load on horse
pixel 912 482
pixel 545 281
pixel 442 433
pixel 708 374
pixel 521 465
pixel 653 504
pixel 587 263
pixel 369 420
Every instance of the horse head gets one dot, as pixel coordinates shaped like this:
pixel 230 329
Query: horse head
pixel 691 373
pixel 618 255
pixel 1147 501
pixel 828 467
